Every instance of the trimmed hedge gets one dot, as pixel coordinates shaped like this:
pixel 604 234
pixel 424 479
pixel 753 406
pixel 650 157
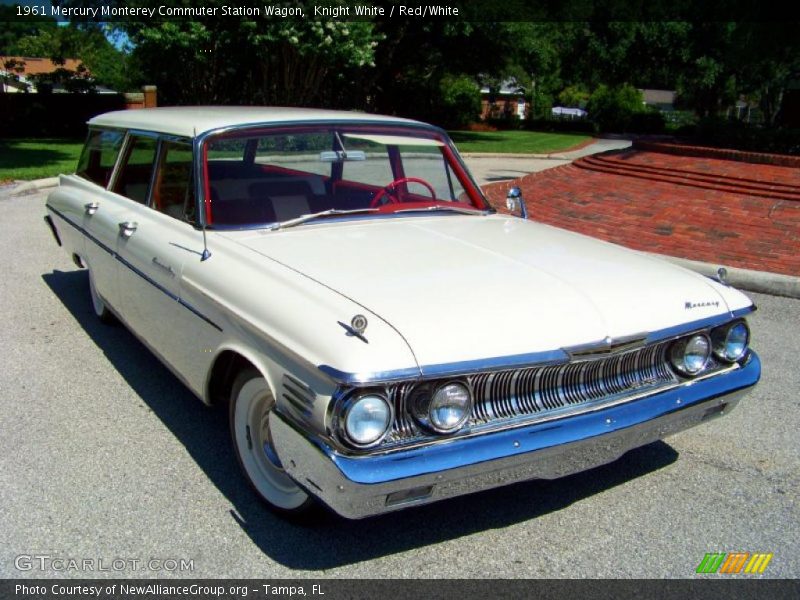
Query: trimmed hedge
pixel 723 133
pixel 53 115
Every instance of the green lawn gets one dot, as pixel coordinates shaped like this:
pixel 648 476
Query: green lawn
pixel 516 142
pixel 35 159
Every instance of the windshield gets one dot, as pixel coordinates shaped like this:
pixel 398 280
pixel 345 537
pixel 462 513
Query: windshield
pixel 273 176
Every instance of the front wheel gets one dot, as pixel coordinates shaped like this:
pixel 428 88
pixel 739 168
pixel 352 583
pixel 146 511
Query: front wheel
pixel 251 407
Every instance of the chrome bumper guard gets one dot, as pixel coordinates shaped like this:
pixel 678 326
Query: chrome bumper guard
pixel 357 487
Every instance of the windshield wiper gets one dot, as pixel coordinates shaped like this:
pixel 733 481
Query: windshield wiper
pixel 458 209
pixel 324 213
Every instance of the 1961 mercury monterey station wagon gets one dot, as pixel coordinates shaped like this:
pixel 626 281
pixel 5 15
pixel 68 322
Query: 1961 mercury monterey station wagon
pixel 384 338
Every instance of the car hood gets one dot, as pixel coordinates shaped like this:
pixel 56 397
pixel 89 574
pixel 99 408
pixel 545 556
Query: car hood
pixel 464 288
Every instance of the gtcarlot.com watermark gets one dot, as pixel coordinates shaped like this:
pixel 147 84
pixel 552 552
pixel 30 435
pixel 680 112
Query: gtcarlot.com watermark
pixel 70 564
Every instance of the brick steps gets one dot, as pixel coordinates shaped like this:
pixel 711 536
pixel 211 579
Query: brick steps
pixel 614 165
pixel 777 178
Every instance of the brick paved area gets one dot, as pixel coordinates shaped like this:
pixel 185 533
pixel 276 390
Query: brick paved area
pixel 718 211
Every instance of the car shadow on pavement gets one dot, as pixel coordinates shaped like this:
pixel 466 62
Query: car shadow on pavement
pixel 328 541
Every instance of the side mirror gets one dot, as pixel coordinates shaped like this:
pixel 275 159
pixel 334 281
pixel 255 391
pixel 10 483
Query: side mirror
pixel 516 203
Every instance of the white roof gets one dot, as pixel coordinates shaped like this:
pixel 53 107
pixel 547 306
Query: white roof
pixel 190 121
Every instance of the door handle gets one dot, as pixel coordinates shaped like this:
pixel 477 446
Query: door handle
pixel 126 228
pixel 91 208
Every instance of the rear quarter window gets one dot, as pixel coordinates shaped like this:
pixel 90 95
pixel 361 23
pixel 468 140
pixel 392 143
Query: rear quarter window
pixel 99 155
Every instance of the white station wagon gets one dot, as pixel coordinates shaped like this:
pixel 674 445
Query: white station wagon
pixel 384 338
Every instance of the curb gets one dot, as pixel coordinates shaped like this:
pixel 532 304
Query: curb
pixel 774 284
pixel 30 187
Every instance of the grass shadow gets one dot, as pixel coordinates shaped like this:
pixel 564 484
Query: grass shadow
pixel 330 541
pixel 18 154
pixel 35 158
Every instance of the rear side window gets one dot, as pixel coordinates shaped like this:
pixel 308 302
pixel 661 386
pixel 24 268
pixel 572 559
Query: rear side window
pixel 135 174
pixel 99 155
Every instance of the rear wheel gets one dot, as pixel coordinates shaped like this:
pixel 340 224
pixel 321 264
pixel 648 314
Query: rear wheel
pixel 251 407
pixel 98 304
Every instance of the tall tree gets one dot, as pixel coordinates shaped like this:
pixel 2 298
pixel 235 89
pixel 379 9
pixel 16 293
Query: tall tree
pixel 415 56
pixel 766 59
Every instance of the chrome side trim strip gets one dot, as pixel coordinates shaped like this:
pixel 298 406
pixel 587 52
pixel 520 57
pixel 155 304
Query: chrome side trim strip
pixel 141 274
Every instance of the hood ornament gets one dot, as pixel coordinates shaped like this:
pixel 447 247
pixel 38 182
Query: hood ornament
pixel 356 328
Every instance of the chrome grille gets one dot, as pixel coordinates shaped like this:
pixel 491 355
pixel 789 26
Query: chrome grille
pixel 536 392
pixel 404 425
pixel 510 394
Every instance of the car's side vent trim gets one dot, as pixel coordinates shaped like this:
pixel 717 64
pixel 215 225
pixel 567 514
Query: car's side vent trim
pixel 299 396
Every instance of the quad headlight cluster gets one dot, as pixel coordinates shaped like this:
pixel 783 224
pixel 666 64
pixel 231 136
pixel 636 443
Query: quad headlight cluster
pixel 441 408
pixel 728 343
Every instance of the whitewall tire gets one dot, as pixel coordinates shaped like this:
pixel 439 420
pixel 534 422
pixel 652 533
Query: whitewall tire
pixel 251 406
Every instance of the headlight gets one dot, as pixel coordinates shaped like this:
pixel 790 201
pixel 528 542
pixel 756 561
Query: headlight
pixel 367 420
pixel 730 341
pixel 690 355
pixel 449 407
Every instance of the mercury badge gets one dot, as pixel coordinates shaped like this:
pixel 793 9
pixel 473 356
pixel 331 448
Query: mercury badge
pixel 359 323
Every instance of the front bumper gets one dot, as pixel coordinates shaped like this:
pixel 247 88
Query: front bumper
pixel 362 486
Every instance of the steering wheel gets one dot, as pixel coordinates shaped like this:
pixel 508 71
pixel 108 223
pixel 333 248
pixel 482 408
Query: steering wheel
pixel 390 192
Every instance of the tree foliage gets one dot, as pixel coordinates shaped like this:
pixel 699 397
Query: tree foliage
pixel 13 29
pixel 426 68
pixel 461 100
pixel 247 61
pixel 613 108
pixel 286 61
